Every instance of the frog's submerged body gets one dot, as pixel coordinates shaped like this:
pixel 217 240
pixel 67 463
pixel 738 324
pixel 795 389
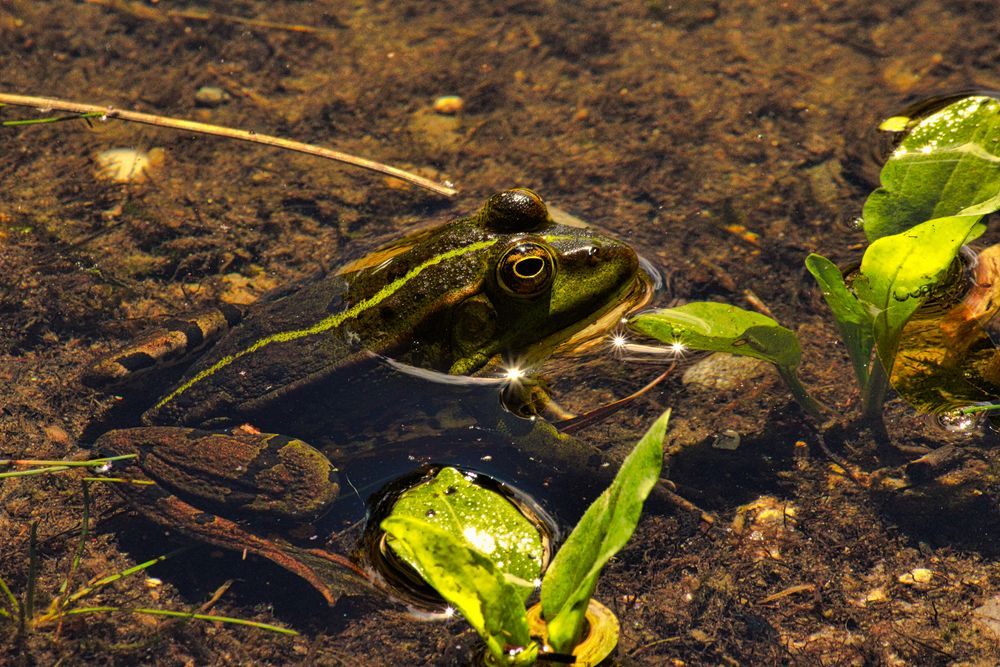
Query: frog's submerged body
pixel 380 347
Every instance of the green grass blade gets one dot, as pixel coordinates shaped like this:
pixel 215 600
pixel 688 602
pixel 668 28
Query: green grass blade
pixel 87 590
pixel 34 471
pixel 69 464
pixel 183 614
pixel 15 608
pixel 29 593
pixel 51 119
pixel 60 601
pixel 120 480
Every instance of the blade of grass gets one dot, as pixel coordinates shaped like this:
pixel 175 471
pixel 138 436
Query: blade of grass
pixel 69 464
pixel 15 608
pixel 120 480
pixel 41 121
pixel 34 471
pixel 87 590
pixel 54 466
pixel 59 602
pixel 183 614
pixel 29 594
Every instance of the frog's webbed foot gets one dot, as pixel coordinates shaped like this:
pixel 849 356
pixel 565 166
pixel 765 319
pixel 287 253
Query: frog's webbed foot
pixel 330 574
pixel 175 341
pixel 251 474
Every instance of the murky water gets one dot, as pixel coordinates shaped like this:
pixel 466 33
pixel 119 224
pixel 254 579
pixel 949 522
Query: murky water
pixel 725 141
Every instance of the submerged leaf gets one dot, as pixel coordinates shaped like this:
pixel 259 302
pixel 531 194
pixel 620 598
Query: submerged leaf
pixel 947 165
pixel 602 531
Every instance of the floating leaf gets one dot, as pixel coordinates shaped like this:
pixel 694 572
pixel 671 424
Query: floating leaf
pixel 719 327
pixel 947 165
pixel 482 518
pixel 602 531
pixel 854 321
pixel 899 272
pixel 469 581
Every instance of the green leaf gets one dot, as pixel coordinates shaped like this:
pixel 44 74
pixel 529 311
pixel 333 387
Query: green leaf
pixel 483 519
pixel 898 273
pixel 602 531
pixel 719 327
pixel 855 323
pixel 469 581
pixel 947 165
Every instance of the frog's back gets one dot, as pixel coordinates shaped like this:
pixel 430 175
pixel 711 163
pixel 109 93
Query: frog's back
pixel 306 342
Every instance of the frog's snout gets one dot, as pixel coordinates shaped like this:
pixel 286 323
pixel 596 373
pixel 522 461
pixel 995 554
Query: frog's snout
pixel 605 253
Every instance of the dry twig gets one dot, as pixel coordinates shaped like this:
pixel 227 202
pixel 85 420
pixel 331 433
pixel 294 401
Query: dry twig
pixel 49 103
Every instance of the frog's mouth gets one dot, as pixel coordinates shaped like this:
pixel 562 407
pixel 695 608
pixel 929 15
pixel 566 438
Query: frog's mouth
pixel 584 336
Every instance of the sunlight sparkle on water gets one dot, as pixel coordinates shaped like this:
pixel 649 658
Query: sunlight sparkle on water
pixel 514 374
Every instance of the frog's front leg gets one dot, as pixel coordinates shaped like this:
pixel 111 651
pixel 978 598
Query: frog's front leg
pixel 202 479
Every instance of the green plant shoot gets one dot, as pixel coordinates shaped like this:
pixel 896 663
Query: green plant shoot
pixel 720 327
pixel 492 602
pixel 603 530
pixel 948 164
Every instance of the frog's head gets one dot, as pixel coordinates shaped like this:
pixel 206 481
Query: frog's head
pixel 505 283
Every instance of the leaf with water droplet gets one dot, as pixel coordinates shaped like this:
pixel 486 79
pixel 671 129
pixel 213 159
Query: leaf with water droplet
pixel 898 272
pixel 480 518
pixel 720 327
pixel 948 164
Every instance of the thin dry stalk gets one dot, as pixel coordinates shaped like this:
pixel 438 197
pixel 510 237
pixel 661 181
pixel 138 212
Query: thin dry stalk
pixel 50 103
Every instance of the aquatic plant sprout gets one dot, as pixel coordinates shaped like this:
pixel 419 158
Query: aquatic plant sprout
pixel 493 603
pixel 936 187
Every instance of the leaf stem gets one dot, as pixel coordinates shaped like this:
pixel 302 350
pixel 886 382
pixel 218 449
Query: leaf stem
pixel 811 406
pixel 873 394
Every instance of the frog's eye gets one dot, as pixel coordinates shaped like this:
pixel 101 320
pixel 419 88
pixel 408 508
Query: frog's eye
pixel 526 269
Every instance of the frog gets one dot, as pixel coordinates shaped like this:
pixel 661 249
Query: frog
pixel 250 442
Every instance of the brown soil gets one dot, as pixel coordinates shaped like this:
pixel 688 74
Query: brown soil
pixel 666 123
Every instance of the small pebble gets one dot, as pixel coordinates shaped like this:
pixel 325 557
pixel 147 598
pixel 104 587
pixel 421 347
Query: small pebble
pixel 918 575
pixel 449 104
pixel 725 372
pixel 128 165
pixel 211 96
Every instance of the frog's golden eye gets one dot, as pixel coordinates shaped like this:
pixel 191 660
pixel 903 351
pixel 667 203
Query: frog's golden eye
pixel 526 269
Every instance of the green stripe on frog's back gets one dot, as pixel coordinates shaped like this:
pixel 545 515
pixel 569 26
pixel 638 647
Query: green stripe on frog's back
pixel 331 321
